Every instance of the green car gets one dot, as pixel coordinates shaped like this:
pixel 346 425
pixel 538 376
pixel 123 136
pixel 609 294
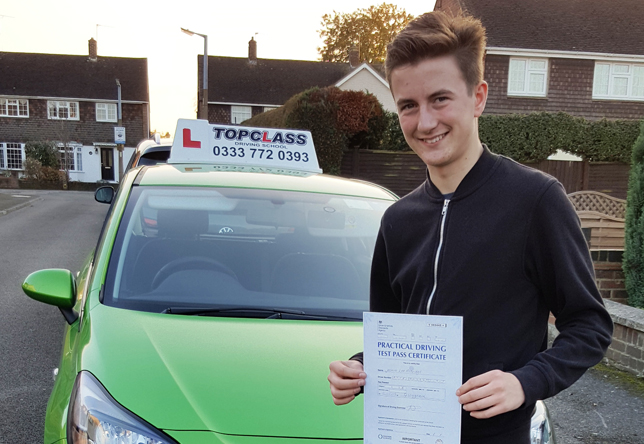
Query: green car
pixel 215 300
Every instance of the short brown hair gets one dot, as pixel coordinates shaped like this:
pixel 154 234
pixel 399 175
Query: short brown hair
pixel 437 34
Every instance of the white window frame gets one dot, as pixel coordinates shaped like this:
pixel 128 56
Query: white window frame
pixel 58 106
pixel 240 113
pixel 21 106
pixel 106 112
pixel 618 71
pixel 527 73
pixel 76 152
pixel 4 155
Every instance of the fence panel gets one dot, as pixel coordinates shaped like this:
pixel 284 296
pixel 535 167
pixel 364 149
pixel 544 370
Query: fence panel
pixel 401 172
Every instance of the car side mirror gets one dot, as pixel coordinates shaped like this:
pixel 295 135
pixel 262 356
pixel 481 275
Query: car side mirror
pixel 104 194
pixel 54 287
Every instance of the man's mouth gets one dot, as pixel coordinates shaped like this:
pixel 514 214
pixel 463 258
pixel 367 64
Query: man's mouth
pixel 435 139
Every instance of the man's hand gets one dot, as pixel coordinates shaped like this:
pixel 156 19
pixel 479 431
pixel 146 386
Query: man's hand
pixel 346 379
pixel 491 394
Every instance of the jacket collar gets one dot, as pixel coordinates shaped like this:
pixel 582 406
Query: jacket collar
pixel 475 178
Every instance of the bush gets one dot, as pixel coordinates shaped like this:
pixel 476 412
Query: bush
pixel 33 168
pixel 534 137
pixel 50 174
pixel 336 119
pixel 633 263
pixel 316 111
pixel 45 152
pixel 393 138
pixel 607 140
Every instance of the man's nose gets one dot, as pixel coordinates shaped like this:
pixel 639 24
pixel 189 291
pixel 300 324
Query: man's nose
pixel 427 120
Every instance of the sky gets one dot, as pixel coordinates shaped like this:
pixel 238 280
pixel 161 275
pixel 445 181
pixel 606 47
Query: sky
pixel 283 29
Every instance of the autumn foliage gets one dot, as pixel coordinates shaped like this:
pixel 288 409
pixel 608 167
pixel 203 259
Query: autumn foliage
pixel 337 119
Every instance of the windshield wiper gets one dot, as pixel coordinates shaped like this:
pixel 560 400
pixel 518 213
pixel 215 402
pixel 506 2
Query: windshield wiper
pixel 270 313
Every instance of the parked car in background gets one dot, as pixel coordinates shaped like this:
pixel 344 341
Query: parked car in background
pixel 149 152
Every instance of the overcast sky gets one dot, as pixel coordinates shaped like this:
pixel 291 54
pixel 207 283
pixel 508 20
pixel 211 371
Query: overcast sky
pixel 284 29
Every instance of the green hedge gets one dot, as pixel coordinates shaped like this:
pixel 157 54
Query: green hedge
pixel 534 137
pixel 633 263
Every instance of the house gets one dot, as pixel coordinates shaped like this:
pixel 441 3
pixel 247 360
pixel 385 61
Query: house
pixel 73 100
pixel 239 88
pixel 583 57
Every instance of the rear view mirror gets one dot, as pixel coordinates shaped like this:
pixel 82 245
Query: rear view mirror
pixel 54 287
pixel 104 194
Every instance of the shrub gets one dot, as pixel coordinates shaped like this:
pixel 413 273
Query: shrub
pixel 534 137
pixel 315 111
pixel 44 151
pixel 336 119
pixel 33 168
pixel 633 263
pixel 393 138
pixel 606 140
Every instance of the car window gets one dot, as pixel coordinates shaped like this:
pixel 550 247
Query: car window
pixel 154 157
pixel 223 247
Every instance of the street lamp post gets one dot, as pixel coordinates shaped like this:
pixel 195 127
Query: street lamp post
pixel 120 146
pixel 203 104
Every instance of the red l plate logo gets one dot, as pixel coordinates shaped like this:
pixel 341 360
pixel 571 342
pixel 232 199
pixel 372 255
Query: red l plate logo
pixel 187 140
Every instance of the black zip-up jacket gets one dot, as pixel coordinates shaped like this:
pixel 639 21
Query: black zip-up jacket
pixel 503 252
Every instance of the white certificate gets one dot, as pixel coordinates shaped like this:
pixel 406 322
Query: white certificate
pixel 414 365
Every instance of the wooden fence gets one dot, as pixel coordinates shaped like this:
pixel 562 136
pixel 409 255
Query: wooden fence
pixel 603 216
pixel 401 172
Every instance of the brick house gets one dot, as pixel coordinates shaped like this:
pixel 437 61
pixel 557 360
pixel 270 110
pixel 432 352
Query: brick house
pixel 72 99
pixel 239 88
pixel 583 57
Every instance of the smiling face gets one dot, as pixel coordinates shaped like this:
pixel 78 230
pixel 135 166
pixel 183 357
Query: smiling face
pixel 438 116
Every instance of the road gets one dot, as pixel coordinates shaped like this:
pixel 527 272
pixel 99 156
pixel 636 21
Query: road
pixel 60 227
pixel 56 231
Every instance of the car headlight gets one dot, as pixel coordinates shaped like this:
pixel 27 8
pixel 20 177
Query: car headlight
pixel 540 428
pixel 94 417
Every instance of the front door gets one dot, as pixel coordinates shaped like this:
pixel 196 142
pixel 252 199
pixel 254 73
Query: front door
pixel 107 163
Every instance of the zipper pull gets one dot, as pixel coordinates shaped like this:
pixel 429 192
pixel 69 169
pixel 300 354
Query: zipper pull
pixel 445 207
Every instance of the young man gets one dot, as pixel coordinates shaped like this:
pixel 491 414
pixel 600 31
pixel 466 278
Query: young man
pixel 484 238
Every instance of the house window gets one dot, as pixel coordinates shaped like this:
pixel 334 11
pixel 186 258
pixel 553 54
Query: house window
pixel 12 155
pixel 528 77
pixel 14 107
pixel 240 113
pixel 73 155
pixel 62 110
pixel 621 81
pixel 269 108
pixel 106 112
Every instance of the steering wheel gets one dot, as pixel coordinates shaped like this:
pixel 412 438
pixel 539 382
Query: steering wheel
pixel 190 263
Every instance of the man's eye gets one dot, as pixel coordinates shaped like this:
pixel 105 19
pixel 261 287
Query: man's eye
pixel 407 106
pixel 441 99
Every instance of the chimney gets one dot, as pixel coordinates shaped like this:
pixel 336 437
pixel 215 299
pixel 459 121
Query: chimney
pixel 354 57
pixel 93 50
pixel 252 51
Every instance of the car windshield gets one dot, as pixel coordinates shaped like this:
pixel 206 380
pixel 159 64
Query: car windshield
pixel 229 249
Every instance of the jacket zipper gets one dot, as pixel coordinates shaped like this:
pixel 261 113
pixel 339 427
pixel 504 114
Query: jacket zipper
pixel 438 253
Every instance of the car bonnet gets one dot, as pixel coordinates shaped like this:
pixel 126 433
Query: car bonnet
pixel 247 377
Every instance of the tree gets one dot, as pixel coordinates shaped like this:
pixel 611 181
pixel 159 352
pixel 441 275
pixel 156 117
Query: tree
pixel 370 30
pixel 633 264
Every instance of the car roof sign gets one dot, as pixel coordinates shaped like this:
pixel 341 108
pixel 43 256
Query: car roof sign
pixel 198 141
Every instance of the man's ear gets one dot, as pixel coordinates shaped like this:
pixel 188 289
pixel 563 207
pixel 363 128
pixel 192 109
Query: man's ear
pixel 480 97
